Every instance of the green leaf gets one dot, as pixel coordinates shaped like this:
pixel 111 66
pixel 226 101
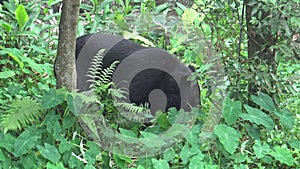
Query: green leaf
pixel 160 164
pixel 91 154
pixel 163 121
pixel 53 125
pixel 21 16
pixel 52 99
pixel 7 74
pixel 89 166
pixel 186 152
pixel 49 152
pixel 257 116
pixel 231 111
pixel 265 101
pixel 15 54
pixel 169 154
pixel 196 162
pixel 283 155
pixel 2 157
pixel 259 149
pixel 28 160
pixel 74 104
pixel 238 157
pixel 193 136
pixel 64 146
pixel 7 141
pixel 24 142
pixel 55 166
pixel 69 121
pixel 294 143
pixel 286 118
pixel 228 136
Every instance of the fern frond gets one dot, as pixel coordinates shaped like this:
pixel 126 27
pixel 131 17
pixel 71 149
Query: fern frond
pixel 99 76
pixel 134 112
pixel 20 114
pixel 117 93
pixel 106 74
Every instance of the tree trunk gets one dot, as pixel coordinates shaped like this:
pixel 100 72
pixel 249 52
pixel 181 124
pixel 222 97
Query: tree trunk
pixel 65 67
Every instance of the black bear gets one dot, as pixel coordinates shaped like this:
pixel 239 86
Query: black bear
pixel 148 74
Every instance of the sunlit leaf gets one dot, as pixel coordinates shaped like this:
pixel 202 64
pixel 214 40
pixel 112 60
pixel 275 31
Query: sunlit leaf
pixel 52 99
pixel 231 111
pixel 283 155
pixel 228 136
pixel 286 118
pixel 258 117
pixel 160 164
pixel 7 74
pixel 24 142
pixel 259 149
pixel 49 152
pixel 265 101
pixel 21 16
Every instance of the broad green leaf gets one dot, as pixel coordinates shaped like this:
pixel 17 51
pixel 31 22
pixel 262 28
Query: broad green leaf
pixel 258 117
pixel 186 152
pixel 189 16
pixel 74 104
pixel 2 157
pixel 64 146
pixel 7 26
pixel 283 155
pixel 193 136
pixel 228 136
pixel 259 149
pixel 49 152
pixel 294 143
pixel 53 124
pixel 295 20
pixel 160 164
pixel 69 121
pixel 24 142
pixel 163 121
pixel 7 141
pixel 55 166
pixel 169 154
pixel 7 74
pixel 15 54
pixel 196 162
pixel 28 160
pixel 91 154
pixel 231 111
pixel 265 101
pixel 21 16
pixel 238 157
pixel 286 118
pixel 52 99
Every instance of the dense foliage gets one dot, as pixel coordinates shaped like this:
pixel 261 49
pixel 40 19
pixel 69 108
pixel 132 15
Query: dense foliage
pixel 257 125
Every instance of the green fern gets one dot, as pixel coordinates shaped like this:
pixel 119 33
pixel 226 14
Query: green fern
pixel 20 114
pixel 109 95
pixel 134 112
pixel 99 76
